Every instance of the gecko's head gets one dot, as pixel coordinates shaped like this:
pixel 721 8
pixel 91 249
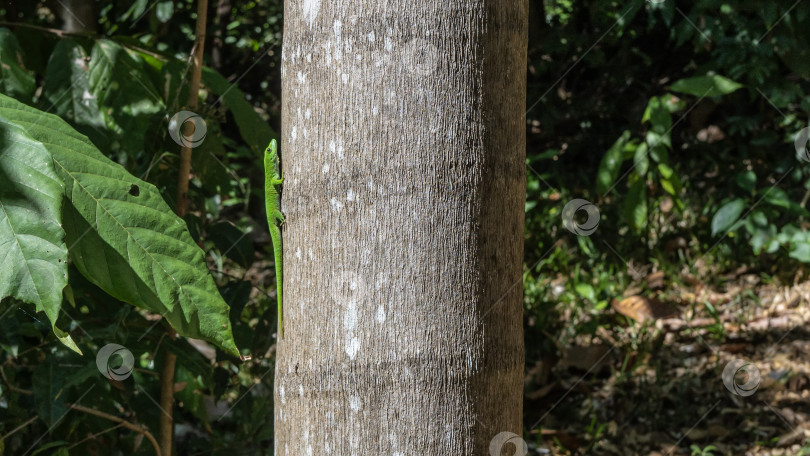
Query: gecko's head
pixel 271 153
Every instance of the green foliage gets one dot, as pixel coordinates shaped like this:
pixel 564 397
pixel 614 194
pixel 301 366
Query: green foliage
pixel 126 99
pixel 47 386
pixel 705 451
pixel 67 91
pixel 719 115
pixel 35 261
pixel 123 236
pixel 15 80
pixel 611 164
pixel 656 144
pixel 677 121
pixel 725 217
pixel 88 202
pixel 706 86
pixel 253 129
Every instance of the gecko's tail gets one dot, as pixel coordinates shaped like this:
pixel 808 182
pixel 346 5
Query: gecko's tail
pixel 276 237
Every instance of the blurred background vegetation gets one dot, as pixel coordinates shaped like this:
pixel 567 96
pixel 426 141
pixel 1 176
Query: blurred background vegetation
pixel 677 119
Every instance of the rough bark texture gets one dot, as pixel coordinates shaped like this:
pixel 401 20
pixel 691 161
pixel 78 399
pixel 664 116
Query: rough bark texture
pixel 403 148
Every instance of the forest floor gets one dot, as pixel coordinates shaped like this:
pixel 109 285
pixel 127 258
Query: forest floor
pixel 656 386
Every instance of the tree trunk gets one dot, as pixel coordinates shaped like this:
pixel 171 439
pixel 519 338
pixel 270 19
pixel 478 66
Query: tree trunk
pixel 78 16
pixel 403 150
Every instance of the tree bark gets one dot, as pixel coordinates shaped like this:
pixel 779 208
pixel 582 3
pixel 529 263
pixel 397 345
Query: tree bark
pixel 221 21
pixel 403 150
pixel 78 16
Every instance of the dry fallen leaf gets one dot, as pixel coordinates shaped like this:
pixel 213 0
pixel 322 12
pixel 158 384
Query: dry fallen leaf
pixel 795 436
pixel 734 348
pixel 765 323
pixel 640 308
pixel 656 280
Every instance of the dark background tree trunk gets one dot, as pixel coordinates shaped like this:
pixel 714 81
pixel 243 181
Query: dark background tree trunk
pixel 78 16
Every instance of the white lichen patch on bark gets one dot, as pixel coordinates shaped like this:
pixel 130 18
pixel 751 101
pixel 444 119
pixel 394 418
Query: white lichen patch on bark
pixel 337 206
pixel 355 403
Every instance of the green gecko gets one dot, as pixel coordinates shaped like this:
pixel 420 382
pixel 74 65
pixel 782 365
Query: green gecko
pixel 275 218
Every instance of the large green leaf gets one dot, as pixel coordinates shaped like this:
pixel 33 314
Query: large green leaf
pixel 67 91
pixel 125 94
pixel 611 164
pixel 775 196
pixel 708 85
pixel 641 159
pixel 727 215
pixel 635 204
pixel 15 80
pixel 586 291
pixel 800 251
pixel 33 254
pixel 252 127
pixel 658 115
pixel 123 236
pixel 747 181
pixel 164 11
